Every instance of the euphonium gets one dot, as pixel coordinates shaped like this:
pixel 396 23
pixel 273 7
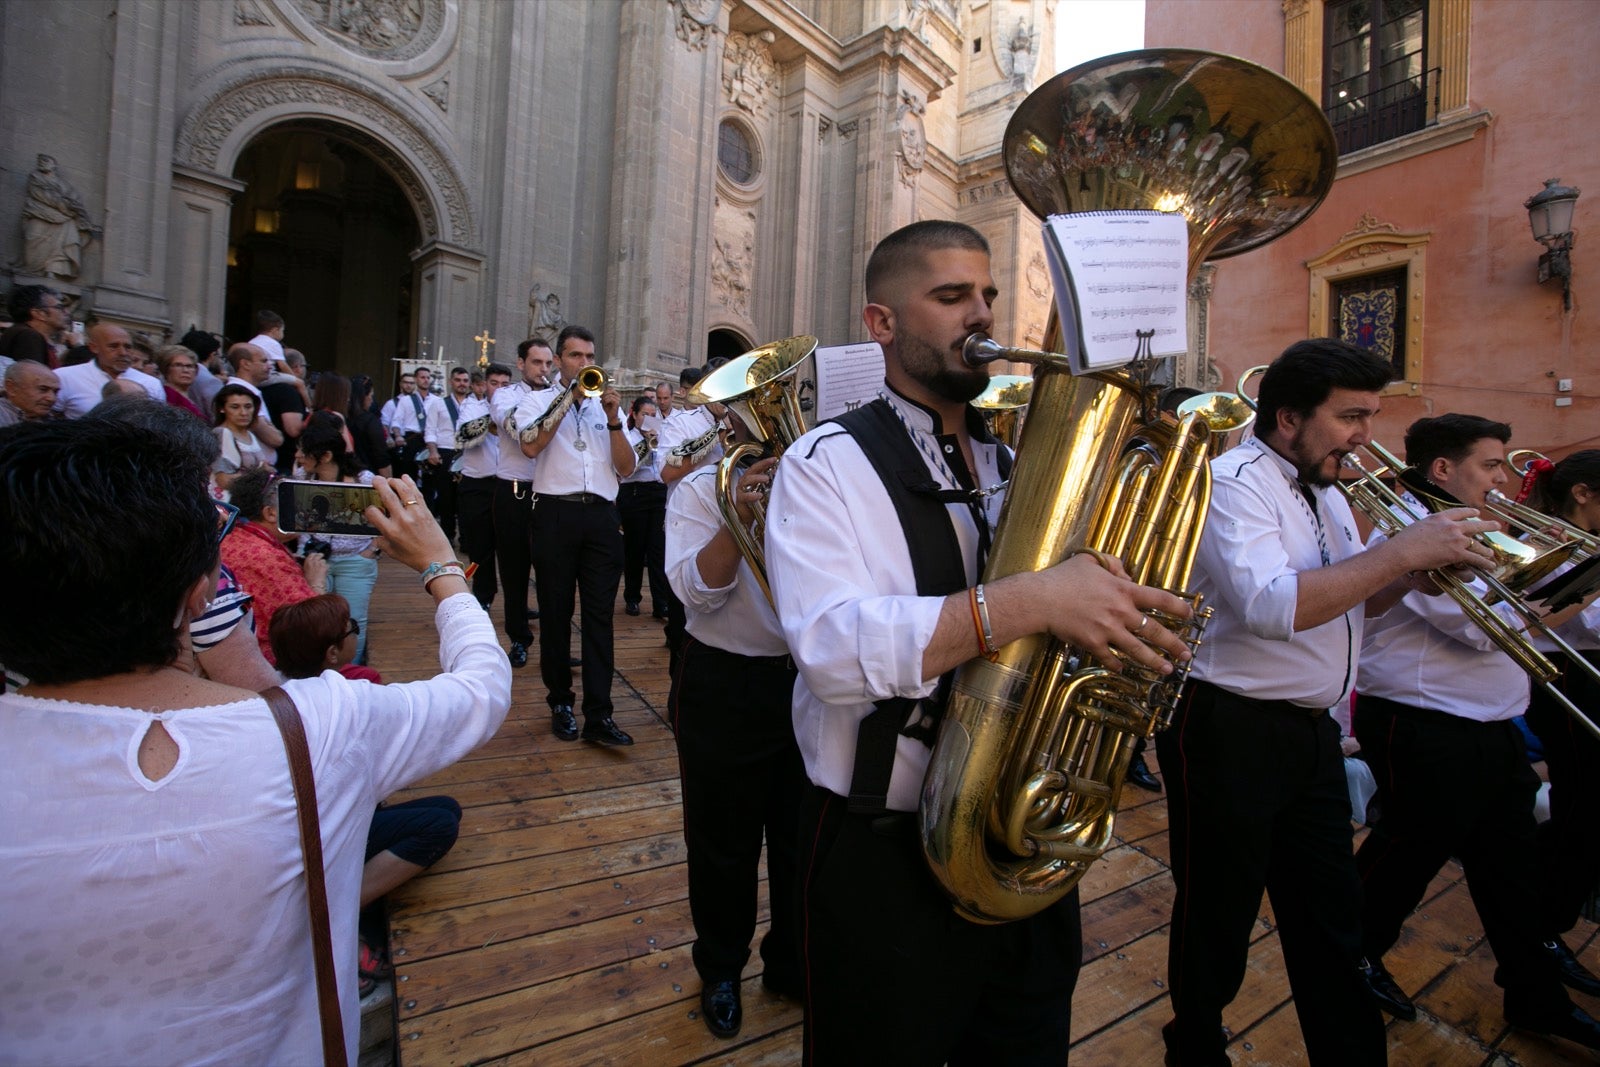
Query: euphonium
pixel 762 388
pixel 1022 788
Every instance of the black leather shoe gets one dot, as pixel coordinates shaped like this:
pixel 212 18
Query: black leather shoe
pixel 1574 1024
pixel 518 654
pixel 1573 973
pixel 631 607
pixel 720 1007
pixel 563 723
pixel 1386 991
pixel 1140 775
pixel 659 613
pixel 605 732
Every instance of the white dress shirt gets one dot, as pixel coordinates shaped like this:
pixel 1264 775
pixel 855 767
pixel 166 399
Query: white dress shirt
pixel 400 414
pixel 437 429
pixel 734 617
pixel 846 594
pixel 685 424
pixel 578 457
pixel 1582 631
pixel 1260 534
pixel 482 459
pixel 1424 652
pixel 83 383
pixel 508 399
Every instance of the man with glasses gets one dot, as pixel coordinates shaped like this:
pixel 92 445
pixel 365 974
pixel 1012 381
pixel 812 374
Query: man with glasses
pixel 38 317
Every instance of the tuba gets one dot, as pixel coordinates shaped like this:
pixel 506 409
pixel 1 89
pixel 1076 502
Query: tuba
pixel 1021 791
pixel 762 387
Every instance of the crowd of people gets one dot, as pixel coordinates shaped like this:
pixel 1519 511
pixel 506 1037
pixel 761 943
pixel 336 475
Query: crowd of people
pixel 804 720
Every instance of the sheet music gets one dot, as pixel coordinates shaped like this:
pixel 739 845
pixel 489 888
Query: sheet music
pixel 1117 273
pixel 847 377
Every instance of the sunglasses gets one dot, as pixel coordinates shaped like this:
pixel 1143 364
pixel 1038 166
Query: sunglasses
pixel 355 629
pixel 227 515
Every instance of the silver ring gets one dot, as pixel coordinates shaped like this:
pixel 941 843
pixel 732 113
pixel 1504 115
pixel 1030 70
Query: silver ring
pixel 1143 619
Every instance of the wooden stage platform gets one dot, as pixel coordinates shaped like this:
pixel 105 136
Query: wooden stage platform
pixel 558 932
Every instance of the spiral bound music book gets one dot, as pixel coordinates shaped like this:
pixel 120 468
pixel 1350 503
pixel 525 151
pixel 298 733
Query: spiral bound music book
pixel 1121 280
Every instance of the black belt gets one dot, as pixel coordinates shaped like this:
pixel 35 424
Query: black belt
pixel 576 498
pixel 1266 705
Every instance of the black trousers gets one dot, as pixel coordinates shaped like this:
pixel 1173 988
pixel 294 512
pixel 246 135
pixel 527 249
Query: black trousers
pixel 475 504
pixel 577 551
pixel 1257 800
pixel 894 975
pixel 439 490
pixel 1569 843
pixel 1451 786
pixel 742 779
pixel 403 460
pixel 513 548
pixel 643 506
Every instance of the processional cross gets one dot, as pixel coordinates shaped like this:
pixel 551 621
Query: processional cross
pixel 484 341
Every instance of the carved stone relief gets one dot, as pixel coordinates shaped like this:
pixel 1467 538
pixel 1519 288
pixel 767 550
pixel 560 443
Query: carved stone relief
pixel 439 92
pixel 1038 276
pixel 545 320
pixel 379 29
pixel 1016 37
pixel 748 73
pixel 733 257
pixel 249 13
pixel 354 111
pixel 696 21
pixel 912 152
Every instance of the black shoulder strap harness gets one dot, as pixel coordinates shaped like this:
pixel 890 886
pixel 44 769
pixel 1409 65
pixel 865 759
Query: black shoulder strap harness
pixel 920 505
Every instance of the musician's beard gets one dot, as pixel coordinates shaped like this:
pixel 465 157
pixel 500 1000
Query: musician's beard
pixel 932 366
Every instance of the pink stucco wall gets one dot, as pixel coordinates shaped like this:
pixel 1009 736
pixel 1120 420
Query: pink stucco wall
pixel 1495 341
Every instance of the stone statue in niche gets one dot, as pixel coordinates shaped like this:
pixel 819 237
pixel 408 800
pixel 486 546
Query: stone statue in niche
pixel 917 18
pixel 748 73
pixel 55 224
pixel 545 320
pixel 1019 56
pixel 913 150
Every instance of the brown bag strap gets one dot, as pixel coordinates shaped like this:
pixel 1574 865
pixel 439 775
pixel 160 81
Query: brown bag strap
pixel 305 796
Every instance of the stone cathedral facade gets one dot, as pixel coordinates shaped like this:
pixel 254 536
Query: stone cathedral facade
pixel 686 177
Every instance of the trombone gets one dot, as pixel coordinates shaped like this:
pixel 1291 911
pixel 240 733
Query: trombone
pixel 1518 566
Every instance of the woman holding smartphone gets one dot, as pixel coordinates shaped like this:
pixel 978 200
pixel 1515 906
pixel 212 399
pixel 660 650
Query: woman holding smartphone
pixel 353 565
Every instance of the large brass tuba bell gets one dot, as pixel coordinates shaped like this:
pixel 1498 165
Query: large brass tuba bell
pixel 762 388
pixel 1022 789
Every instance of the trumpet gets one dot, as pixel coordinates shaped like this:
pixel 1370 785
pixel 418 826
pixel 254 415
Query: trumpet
pixel 1516 568
pixel 591 382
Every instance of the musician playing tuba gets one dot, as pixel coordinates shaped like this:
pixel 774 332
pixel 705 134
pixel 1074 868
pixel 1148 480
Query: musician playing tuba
pixel 874 583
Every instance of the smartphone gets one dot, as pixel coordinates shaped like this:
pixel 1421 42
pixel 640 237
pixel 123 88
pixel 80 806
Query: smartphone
pixel 325 507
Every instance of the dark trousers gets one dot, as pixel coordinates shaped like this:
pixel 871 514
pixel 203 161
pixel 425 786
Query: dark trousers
pixel 513 547
pixel 1257 800
pixel 1451 786
pixel 643 507
pixel 894 975
pixel 403 459
pixel 419 831
pixel 742 778
pixel 1569 843
pixel 475 504
pixel 577 553
pixel 439 490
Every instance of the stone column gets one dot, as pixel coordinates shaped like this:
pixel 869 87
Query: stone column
pixel 447 283
pixel 197 247
pixel 132 287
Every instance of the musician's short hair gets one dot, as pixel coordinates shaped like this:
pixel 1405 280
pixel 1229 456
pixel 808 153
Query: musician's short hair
pixel 532 342
pixel 906 246
pixel 497 368
pixel 1450 436
pixel 1308 371
pixel 582 333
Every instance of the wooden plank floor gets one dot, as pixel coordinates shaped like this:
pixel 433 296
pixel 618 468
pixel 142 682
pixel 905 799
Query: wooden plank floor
pixel 558 931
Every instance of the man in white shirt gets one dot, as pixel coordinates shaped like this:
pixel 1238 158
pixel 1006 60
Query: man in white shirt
pixel 251 369
pixel 513 492
pixel 82 385
pixel 405 421
pixel 664 399
pixel 439 478
pixel 269 335
pixel 892 973
pixel 480 452
pixel 741 771
pixel 1255 777
pixel 577 538
pixel 1435 716
pixel 642 503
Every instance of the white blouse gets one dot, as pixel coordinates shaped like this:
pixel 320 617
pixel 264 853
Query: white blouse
pixel 165 921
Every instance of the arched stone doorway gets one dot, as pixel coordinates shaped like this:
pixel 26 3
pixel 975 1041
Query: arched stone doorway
pixel 725 343
pixel 323 234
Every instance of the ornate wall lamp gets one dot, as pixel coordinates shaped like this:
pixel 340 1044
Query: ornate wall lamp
pixel 1550 215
